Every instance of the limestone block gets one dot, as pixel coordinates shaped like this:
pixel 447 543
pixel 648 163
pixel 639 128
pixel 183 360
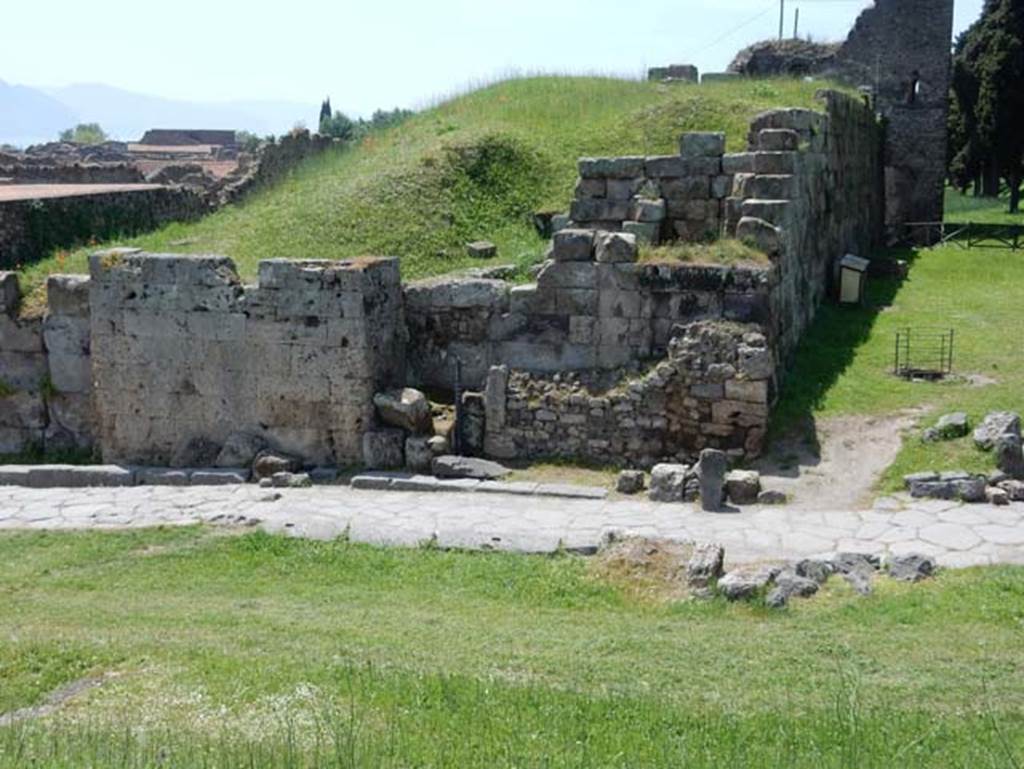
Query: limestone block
pixel 662 166
pixel 591 188
pixel 686 188
pixel 754 362
pixel 703 166
pixel 450 466
pixel 762 235
pixel 68 295
pixel 645 210
pixel 573 246
pixel 593 210
pixel 161 476
pixel 21 370
pixel 775 162
pixel 778 140
pixel 79 476
pixel 646 233
pixel 702 144
pixel 994 425
pixel 738 163
pixel 482 249
pixel 407 409
pixel 772 187
pixel 751 392
pixel 711 470
pixel 218 477
pixel 743 486
pixel 611 168
pixel 384 449
pixel 10 293
pixel 495 395
pixel 21 335
pixel 667 482
pixel 616 248
pixel 560 275
pixel 721 186
pixel 623 189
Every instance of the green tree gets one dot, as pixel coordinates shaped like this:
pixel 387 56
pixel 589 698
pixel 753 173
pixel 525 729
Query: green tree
pixel 987 112
pixel 339 125
pixel 84 133
pixel 325 111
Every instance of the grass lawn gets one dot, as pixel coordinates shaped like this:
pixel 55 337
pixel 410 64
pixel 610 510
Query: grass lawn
pixel 844 365
pixel 220 650
pixel 477 166
pixel 967 208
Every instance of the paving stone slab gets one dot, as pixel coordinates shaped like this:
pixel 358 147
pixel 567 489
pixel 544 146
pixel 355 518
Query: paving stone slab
pixel 79 476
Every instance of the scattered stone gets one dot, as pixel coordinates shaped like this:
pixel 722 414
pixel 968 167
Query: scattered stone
pixel 995 424
pixel 630 482
pixel 931 435
pixel 770 497
pixel 451 466
pixel 195 452
pixel 291 480
pixel 1010 455
pixel 1014 490
pixel 952 426
pixel 240 449
pixel 418 454
pixel 743 486
pixel 667 483
pixel 911 568
pixel 789 584
pixel 384 449
pixel 857 569
pixel 704 568
pixel 813 568
pixel 267 463
pixel 746 582
pixel 407 409
pixel 482 249
pixel 997 496
pixel 954 485
pixel 711 471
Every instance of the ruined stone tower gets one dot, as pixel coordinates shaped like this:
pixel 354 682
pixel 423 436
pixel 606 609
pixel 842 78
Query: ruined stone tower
pixel 902 48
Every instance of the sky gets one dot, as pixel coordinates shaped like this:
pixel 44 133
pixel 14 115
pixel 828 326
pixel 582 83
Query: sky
pixel 368 54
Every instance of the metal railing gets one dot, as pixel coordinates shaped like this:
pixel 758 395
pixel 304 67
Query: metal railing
pixel 923 353
pixel 965 234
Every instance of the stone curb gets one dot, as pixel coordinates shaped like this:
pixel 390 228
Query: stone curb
pixel 382 481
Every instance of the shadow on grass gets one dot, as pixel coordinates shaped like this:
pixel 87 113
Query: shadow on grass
pixel 826 351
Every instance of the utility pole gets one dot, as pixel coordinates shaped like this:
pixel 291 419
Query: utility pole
pixel 782 17
pixel 796 25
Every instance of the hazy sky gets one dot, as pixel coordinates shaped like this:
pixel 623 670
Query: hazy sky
pixel 371 53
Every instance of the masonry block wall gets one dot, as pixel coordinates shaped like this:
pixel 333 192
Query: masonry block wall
pixel 29 229
pixel 902 49
pixel 184 355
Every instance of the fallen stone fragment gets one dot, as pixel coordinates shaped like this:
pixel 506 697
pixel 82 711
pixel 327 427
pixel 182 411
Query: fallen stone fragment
pixel 857 569
pixel 743 486
pixel 451 466
pixel 630 482
pixel 267 463
pixel 667 483
pixel 995 424
pixel 952 426
pixel 1010 455
pixel 997 496
pixel 746 582
pixel 953 485
pixel 813 568
pixel 770 497
pixel 789 584
pixel 407 409
pixel 911 568
pixel 704 567
pixel 482 249
pixel 1014 490
pixel 240 449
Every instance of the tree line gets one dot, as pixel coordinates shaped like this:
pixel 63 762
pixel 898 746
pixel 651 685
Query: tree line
pixel 986 126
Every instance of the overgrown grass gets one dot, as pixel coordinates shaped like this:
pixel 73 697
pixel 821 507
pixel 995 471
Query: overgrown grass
pixel 967 208
pixel 475 167
pixel 259 651
pixel 845 363
pixel 727 251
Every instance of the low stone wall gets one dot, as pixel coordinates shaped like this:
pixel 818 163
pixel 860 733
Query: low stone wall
pixel 580 315
pixel 711 391
pixel 273 161
pixel 30 229
pixel 72 173
pixel 184 356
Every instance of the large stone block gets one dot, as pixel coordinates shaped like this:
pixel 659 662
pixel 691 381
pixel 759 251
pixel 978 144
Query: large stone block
pixel 384 449
pixel 68 295
pixel 702 144
pixel 616 248
pixel 573 246
pixel 611 168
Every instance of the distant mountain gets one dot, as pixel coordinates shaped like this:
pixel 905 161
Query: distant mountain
pixel 28 115
pixel 32 115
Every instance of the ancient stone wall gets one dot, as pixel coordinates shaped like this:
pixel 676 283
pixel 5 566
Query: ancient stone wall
pixel 184 355
pixel 711 391
pixel 45 372
pixel 71 173
pixel 901 48
pixel 29 229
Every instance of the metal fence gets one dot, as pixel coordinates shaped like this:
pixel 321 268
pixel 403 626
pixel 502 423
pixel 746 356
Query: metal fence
pixel 924 353
pixel 966 234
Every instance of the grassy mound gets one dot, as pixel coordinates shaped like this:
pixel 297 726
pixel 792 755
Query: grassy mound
pixel 474 167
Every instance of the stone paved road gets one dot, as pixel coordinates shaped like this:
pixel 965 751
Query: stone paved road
pixel 957 535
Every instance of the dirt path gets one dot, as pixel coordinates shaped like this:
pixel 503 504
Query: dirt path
pixel 53 701
pixel 835 464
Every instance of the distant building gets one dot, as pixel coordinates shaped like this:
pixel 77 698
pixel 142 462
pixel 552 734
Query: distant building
pixel 178 137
